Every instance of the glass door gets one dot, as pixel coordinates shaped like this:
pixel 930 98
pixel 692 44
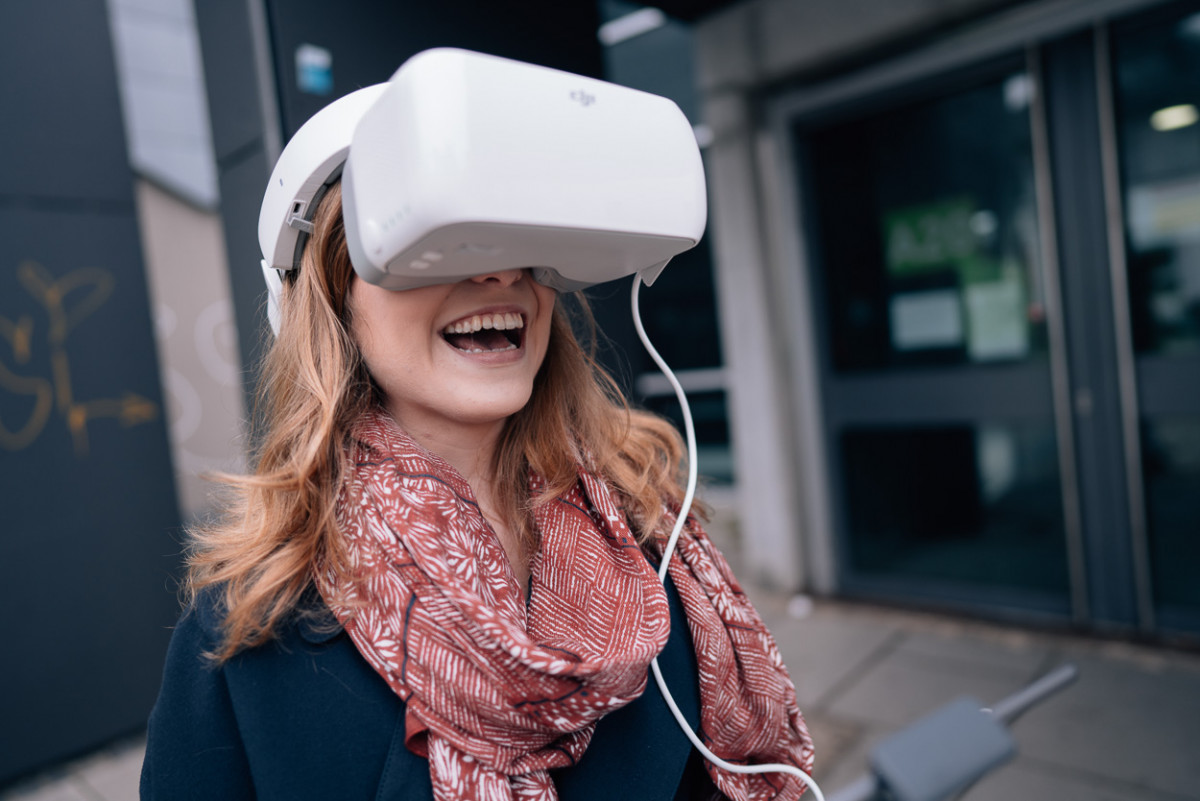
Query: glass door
pixel 936 376
pixel 1155 69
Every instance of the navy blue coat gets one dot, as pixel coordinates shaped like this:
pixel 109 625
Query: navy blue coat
pixel 305 717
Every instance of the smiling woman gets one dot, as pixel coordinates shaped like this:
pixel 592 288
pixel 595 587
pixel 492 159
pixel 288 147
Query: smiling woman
pixel 440 580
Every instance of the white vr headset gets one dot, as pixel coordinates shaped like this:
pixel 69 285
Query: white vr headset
pixel 464 164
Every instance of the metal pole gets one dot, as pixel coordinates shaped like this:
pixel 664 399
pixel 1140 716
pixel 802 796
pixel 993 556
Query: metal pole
pixel 1060 379
pixel 1123 332
pixel 1008 709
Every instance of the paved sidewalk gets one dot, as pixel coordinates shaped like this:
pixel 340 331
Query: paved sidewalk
pixel 1128 728
pixel 110 774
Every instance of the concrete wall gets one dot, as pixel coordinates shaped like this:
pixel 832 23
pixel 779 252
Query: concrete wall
pixel 197 342
pixel 763 41
pixel 88 515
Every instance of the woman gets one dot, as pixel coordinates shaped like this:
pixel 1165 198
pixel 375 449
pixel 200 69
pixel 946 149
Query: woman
pixel 440 580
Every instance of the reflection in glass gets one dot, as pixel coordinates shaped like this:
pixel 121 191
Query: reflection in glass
pixel 714 458
pixel 680 311
pixel 977 504
pixel 1157 73
pixel 927 233
pixel 1171 465
pixel 1157 93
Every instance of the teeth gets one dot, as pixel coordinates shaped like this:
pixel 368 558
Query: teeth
pixel 499 322
pixel 499 350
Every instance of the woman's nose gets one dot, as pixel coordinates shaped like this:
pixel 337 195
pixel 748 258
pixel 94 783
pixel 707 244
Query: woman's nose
pixel 503 278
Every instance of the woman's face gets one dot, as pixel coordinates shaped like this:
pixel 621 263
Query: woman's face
pixel 462 354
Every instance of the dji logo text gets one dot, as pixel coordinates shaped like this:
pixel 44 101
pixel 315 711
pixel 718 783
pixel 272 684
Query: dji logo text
pixel 583 98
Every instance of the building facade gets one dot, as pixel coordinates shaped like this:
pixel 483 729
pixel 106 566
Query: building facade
pixel 957 261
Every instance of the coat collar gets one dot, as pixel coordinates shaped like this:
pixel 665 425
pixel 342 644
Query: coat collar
pixel 313 620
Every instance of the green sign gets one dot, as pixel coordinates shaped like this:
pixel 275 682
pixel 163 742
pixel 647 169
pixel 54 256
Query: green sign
pixel 937 236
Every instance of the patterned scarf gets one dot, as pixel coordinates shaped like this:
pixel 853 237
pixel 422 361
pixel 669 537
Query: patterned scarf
pixel 498 691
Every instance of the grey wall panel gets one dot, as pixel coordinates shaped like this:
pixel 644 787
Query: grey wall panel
pixel 242 185
pixel 88 515
pixel 61 135
pixel 87 546
pixel 227 50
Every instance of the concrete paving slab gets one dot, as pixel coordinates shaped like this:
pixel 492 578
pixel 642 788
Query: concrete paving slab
pixel 836 768
pixel 51 788
pixel 906 686
pixel 843 755
pixel 110 774
pixel 1123 721
pixel 1014 656
pixel 1028 780
pixel 836 741
pixel 113 775
pixel 823 651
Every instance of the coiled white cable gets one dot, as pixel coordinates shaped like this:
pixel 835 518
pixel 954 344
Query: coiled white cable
pixel 689 495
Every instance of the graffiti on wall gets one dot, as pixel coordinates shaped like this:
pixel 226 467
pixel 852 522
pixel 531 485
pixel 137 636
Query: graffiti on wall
pixel 38 398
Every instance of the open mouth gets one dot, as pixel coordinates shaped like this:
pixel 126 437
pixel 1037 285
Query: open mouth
pixel 486 333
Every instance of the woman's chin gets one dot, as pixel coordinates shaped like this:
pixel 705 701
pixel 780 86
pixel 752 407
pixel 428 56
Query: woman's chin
pixel 495 409
pixel 473 410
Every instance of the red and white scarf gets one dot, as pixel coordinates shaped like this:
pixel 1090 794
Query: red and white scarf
pixel 499 691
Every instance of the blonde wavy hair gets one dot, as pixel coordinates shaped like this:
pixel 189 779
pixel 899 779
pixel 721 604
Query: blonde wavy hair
pixel 281 520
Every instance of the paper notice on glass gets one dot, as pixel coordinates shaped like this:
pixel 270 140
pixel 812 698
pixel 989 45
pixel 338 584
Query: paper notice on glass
pixel 930 319
pixel 1164 213
pixel 997 328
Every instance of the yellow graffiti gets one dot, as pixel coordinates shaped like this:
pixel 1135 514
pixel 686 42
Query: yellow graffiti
pixel 43 393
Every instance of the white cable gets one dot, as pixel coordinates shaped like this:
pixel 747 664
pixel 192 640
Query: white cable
pixel 688 427
pixel 690 434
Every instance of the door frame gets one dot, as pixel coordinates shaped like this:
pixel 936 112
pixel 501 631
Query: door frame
pixel 1024 30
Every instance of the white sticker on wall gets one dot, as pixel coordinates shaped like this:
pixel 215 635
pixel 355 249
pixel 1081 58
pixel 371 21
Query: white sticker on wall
pixel 314 69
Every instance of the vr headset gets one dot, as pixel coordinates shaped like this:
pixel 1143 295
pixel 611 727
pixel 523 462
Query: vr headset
pixel 465 164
